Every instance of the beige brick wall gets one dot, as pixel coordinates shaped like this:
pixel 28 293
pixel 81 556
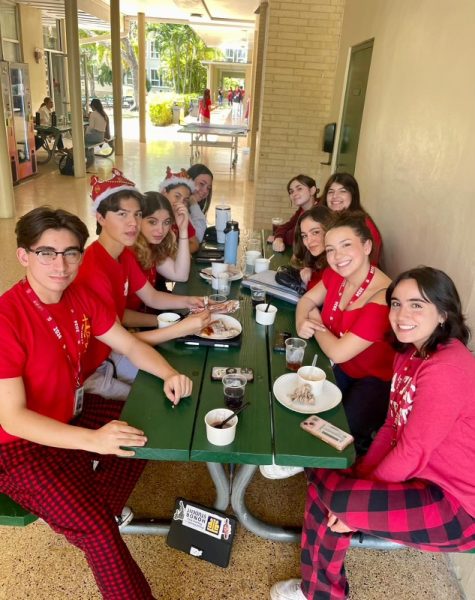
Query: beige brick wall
pixel 300 57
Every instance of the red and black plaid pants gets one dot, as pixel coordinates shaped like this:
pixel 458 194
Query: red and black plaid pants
pixel 61 487
pixel 414 513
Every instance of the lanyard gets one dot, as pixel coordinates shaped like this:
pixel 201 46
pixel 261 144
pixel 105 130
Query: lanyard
pixel 363 287
pixel 50 321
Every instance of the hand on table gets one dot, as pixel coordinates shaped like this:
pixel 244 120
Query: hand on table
pixel 337 525
pixel 309 327
pixel 176 387
pixel 278 245
pixel 109 438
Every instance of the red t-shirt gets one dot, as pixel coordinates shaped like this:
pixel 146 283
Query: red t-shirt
pixel 191 230
pixel 30 349
pixel 377 240
pixel 369 322
pixel 133 302
pixel 315 278
pixel 111 280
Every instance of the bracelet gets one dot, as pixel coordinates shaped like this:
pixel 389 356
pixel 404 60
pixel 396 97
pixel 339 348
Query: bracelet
pixel 183 238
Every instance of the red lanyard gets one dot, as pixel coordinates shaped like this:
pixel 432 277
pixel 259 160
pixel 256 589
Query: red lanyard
pixel 363 287
pixel 74 364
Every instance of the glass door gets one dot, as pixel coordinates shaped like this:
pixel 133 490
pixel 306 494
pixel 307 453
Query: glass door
pixel 21 109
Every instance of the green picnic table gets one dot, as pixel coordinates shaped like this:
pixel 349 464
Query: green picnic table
pixel 267 431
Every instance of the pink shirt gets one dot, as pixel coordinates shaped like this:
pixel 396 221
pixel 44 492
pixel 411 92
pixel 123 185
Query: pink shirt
pixel 434 424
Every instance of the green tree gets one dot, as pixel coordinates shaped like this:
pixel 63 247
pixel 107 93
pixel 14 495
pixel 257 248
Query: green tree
pixel 181 52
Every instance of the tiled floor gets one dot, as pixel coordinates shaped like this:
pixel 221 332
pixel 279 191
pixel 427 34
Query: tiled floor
pixel 37 564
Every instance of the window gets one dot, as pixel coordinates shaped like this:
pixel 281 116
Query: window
pixel 236 54
pixel 154 78
pixel 153 51
pixel 52 36
pixel 10 44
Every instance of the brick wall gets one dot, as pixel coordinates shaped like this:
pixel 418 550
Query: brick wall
pixel 300 59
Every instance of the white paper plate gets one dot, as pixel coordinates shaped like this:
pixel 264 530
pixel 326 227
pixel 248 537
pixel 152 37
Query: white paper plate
pixel 286 384
pixel 229 322
pixel 234 273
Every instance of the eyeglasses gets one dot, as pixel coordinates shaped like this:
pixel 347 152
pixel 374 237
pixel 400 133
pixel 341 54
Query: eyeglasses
pixel 46 256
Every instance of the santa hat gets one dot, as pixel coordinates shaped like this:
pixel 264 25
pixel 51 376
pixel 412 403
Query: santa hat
pixel 175 179
pixel 103 189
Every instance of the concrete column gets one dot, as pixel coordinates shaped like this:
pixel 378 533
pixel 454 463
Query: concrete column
pixel 256 98
pixel 7 197
pixel 116 75
pixel 74 79
pixel 142 84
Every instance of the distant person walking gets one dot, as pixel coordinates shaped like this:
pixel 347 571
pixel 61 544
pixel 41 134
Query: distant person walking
pixel 230 97
pixel 220 97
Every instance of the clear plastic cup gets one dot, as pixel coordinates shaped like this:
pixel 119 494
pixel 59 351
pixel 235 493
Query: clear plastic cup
pixel 294 353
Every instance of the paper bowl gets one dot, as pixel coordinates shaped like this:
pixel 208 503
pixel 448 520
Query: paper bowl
pixel 220 437
pixel 166 319
pixel 263 317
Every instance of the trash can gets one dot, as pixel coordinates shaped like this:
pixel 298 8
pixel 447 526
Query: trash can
pixel 178 114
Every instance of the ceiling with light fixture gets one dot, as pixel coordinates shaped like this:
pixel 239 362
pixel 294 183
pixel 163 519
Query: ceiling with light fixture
pixel 217 22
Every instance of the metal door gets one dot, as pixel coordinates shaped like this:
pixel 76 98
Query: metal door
pixel 352 116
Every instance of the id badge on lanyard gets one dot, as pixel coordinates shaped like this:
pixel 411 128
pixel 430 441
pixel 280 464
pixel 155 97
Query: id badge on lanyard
pixel 78 401
pixel 75 365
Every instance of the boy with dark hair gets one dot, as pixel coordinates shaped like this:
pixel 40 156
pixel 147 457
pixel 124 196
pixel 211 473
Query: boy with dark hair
pixel 51 432
pixel 110 269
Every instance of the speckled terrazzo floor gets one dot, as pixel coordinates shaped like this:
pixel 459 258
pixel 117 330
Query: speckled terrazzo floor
pixel 36 564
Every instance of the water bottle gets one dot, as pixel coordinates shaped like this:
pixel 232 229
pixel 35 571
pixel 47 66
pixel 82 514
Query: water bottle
pixel 53 119
pixel 37 118
pixel 223 215
pixel 231 241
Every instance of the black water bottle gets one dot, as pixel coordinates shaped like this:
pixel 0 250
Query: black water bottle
pixel 37 118
pixel 53 119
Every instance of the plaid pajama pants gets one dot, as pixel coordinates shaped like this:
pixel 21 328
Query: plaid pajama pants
pixel 414 513
pixel 61 487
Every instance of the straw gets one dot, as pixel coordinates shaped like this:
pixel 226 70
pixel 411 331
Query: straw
pixel 267 307
pixel 208 274
pixel 315 358
pixel 236 412
pixel 271 257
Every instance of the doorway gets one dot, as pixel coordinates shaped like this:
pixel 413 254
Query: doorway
pixel 355 93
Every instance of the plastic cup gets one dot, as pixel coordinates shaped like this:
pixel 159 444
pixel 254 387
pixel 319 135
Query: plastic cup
pixel 166 319
pixel 312 376
pixel 294 353
pixel 251 256
pixel 220 437
pixel 217 268
pixel 224 286
pixel 258 294
pixel 254 244
pixel 234 387
pixel 217 299
pixel 263 317
pixel 261 264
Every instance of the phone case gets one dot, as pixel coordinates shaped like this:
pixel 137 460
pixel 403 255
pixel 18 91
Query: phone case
pixel 279 340
pixel 217 373
pixel 332 435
